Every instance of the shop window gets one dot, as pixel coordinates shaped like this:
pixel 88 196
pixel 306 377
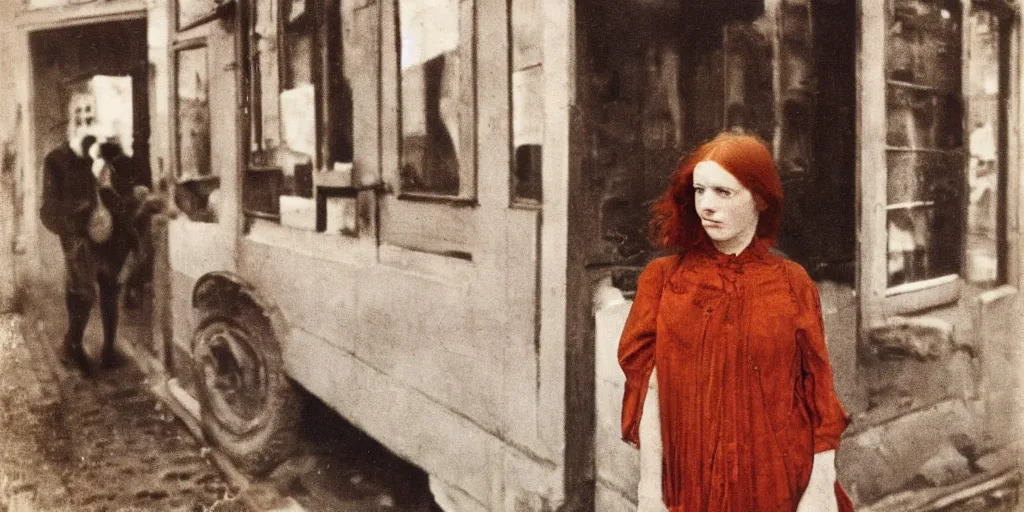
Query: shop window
pixel 300 112
pixel 925 150
pixel 986 171
pixel 941 226
pixel 436 100
pixel 197 184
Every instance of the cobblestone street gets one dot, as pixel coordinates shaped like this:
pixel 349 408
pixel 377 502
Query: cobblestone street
pixel 107 445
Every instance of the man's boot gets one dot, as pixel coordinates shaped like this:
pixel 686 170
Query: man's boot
pixel 73 354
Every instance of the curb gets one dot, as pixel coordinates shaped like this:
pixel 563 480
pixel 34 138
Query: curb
pixel 256 496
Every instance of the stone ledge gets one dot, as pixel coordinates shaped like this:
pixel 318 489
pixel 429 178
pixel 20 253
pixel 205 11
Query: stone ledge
pixel 923 339
pixel 982 488
pixel 886 458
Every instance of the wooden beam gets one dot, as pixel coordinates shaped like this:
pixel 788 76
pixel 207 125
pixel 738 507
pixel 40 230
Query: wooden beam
pixel 74 15
pixel 872 165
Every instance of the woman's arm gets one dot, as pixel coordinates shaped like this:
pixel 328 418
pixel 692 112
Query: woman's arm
pixel 828 417
pixel 636 348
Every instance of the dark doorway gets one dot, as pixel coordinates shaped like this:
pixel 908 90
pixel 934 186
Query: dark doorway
pixel 659 79
pixel 96 75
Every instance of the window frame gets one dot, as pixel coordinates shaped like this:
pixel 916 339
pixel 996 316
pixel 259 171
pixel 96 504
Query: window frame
pixel 425 223
pixel 467 109
pixel 324 20
pixel 174 178
pixel 878 299
pixel 177 49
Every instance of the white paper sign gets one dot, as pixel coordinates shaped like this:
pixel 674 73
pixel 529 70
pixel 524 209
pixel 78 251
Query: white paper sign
pixel 298 119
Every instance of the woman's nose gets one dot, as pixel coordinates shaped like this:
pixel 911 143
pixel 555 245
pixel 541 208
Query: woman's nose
pixel 705 204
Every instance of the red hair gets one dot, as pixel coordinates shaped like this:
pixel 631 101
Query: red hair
pixel 675 224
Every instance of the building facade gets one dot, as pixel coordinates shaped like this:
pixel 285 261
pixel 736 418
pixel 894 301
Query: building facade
pixel 431 216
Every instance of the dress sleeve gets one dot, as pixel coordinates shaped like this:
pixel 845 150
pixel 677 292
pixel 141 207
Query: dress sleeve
pixel 829 418
pixel 636 348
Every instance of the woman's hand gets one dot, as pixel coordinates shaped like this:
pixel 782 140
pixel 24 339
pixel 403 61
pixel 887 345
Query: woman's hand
pixel 820 495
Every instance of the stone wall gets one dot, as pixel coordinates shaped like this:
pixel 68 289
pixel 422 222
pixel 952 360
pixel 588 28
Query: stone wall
pixel 10 163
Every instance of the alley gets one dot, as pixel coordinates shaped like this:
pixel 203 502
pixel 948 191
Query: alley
pixel 106 445
pixel 109 443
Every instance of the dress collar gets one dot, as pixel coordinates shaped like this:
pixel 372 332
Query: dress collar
pixel 757 250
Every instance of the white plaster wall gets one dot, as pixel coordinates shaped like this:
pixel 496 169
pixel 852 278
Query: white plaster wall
pixel 618 464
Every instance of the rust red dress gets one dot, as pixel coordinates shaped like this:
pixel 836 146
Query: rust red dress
pixel 746 394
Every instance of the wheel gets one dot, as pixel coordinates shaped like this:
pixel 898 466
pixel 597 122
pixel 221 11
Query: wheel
pixel 249 408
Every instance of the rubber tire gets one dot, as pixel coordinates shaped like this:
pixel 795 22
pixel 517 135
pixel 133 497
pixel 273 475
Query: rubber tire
pixel 274 437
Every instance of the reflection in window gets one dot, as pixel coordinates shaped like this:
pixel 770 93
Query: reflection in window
pixel 925 142
pixel 301 113
pixel 297 156
pixel 430 76
pixel 196 191
pixel 984 179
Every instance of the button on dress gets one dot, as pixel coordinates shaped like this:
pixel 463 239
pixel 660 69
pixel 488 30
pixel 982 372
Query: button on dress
pixel 746 393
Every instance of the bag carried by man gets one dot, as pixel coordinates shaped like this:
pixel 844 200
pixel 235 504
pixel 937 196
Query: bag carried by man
pixel 101 222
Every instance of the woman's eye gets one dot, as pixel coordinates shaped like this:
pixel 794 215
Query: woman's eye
pixel 724 193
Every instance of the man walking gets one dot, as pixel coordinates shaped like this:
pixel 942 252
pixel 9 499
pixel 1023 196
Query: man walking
pixel 71 195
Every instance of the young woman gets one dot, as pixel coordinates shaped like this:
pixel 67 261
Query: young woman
pixel 748 414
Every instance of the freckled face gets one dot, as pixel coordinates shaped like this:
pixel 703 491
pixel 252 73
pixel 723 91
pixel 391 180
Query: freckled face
pixel 726 208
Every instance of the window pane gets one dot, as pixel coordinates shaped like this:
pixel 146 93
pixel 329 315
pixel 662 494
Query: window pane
pixel 430 76
pixel 795 79
pixel 922 118
pixel 920 240
pixel 924 44
pixel 298 101
pixel 926 160
pixel 196 191
pixel 299 60
pixel 527 132
pixel 985 181
pixel 527 100
pixel 749 96
pixel 924 177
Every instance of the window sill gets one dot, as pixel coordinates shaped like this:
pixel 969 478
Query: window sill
pixel 298 212
pixel 421 197
pixel 328 247
pixel 922 295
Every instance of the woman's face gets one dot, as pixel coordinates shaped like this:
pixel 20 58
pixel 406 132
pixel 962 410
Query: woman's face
pixel 726 208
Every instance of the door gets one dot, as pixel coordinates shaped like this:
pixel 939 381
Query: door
pixel 202 166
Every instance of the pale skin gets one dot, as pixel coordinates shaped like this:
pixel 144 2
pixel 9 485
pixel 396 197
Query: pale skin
pixel 729 215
